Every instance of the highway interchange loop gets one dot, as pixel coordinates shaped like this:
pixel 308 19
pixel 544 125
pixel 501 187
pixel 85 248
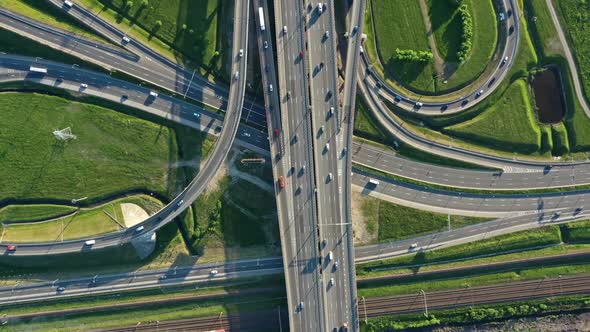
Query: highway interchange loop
pixel 517 174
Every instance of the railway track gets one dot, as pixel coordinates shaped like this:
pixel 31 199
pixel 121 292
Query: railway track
pixel 392 305
pixel 469 296
pixel 255 321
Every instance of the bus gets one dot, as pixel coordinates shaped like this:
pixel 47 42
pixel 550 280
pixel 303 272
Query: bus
pixel 38 70
pixel 261 18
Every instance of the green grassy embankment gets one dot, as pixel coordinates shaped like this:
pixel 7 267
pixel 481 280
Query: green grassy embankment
pixel 574 17
pixel 84 223
pixel 33 212
pixel 509 125
pixel 189 32
pixel 50 15
pixel 395 222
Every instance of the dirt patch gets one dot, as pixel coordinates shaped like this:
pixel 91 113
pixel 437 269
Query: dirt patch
pixel 219 175
pixel 360 234
pixel 133 214
pixel 570 323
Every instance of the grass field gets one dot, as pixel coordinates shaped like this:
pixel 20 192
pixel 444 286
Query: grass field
pixel 50 15
pixel 542 28
pixel 16 213
pixel 400 25
pixel 189 31
pixel 508 125
pixel 396 222
pixel 574 18
pixel 549 235
pixel 86 222
pixel 485 38
pixel 128 153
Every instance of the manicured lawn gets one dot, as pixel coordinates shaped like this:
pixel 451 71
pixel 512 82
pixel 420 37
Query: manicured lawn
pixel 575 19
pixel 113 152
pixel 49 14
pixel 400 25
pixel 161 24
pixel 33 212
pixel 82 224
pixel 446 25
pixel 365 125
pixel 508 125
pixel 398 222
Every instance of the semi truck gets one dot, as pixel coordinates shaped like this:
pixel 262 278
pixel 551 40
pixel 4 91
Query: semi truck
pixel 38 70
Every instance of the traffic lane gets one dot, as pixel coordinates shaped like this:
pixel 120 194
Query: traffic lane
pixel 174 80
pixel 129 92
pixel 62 37
pixel 478 93
pixel 307 288
pixel 465 203
pixel 548 177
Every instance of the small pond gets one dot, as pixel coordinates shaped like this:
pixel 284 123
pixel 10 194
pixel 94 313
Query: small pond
pixel 548 96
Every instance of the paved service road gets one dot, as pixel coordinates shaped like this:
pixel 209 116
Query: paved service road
pixel 472 94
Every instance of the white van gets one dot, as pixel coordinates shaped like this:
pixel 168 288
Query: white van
pixel 320 8
pixel 90 242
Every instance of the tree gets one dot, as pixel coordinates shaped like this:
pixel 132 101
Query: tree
pixel 144 3
pixel 128 5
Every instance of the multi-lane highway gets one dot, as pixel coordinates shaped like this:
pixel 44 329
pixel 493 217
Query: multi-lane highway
pixel 339 296
pixel 298 221
pixel 162 74
pixel 198 184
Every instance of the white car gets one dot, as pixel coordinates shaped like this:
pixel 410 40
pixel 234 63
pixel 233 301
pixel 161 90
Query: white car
pixel 413 245
pixel 331 111
pixel 320 7
pixel 502 17
pixel 153 94
pixel 331 282
pixel 241 53
pixel 69 3
pixel 246 135
pixel 197 115
pixel 213 272
pixel 330 256
pixel 330 177
pixel 265 44
pixel 327 34
pixel 126 39
pixel 180 203
pixel 236 75
pixel 327 146
pixel 285 29
pixel 139 229
pixel 84 85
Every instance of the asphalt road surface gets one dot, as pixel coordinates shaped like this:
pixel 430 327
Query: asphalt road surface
pixel 475 92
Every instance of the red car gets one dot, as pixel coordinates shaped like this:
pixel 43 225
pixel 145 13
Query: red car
pixel 11 248
pixel 301 54
pixel 281 182
pixel 276 132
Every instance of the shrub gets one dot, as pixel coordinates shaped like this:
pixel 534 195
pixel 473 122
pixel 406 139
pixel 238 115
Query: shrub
pixel 413 55
pixel 467 27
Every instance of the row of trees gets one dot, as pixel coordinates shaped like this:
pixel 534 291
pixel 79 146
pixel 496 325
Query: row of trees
pixel 467 35
pixel 412 55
